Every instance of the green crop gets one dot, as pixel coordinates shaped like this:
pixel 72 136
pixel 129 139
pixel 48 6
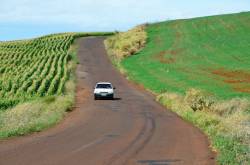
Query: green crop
pixel 33 68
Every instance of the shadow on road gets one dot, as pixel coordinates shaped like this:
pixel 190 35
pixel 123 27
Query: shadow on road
pixel 115 99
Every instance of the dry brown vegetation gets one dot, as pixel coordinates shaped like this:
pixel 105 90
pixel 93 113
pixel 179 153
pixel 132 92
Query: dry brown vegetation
pixel 124 44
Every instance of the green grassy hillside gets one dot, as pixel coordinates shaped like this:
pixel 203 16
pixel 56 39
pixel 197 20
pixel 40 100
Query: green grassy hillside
pixel 37 82
pixel 211 53
pixel 200 69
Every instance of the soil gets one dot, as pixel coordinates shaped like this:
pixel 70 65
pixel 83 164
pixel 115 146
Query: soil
pixel 238 79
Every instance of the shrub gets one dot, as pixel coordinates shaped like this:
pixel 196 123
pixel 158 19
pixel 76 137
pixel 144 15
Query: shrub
pixel 198 100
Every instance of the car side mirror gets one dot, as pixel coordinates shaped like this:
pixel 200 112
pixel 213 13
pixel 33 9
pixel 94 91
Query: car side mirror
pixel 114 87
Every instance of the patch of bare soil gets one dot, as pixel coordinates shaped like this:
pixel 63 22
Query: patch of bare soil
pixel 168 56
pixel 228 26
pixel 236 78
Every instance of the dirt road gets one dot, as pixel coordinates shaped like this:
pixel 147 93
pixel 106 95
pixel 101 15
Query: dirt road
pixel 132 129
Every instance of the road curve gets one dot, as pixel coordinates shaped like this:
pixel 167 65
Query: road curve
pixel 132 129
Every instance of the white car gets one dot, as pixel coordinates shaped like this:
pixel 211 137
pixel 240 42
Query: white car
pixel 103 90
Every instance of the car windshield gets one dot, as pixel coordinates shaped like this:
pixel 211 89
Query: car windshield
pixel 107 86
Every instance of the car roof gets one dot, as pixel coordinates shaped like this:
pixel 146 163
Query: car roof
pixel 103 83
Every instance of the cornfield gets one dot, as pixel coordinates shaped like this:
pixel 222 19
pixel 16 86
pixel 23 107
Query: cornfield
pixel 34 68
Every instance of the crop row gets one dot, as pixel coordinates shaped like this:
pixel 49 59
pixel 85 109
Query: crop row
pixel 33 68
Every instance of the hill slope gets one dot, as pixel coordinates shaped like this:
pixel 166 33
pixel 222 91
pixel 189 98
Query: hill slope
pixel 198 68
pixel 211 53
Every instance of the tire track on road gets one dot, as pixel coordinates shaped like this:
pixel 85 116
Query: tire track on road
pixel 139 142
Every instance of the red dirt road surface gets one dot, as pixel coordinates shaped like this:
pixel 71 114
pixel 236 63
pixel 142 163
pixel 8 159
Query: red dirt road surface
pixel 132 129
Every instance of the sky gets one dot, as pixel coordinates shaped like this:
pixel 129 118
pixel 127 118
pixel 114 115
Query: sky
pixel 21 19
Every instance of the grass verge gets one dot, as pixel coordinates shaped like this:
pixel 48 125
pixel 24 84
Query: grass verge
pixel 34 116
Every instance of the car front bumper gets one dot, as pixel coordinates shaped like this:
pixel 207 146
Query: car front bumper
pixel 102 95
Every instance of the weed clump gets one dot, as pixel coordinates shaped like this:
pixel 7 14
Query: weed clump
pixel 198 100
